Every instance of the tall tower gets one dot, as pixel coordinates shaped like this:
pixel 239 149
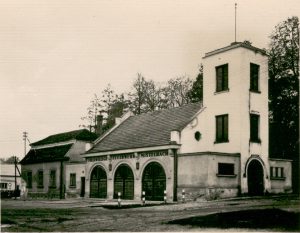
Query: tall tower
pixel 236 96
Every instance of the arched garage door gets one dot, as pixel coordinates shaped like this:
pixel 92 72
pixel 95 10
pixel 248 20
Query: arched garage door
pixel 124 182
pixel 154 182
pixel 98 187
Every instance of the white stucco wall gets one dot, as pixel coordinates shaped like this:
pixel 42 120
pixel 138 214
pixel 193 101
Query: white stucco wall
pixel 282 185
pixel 79 170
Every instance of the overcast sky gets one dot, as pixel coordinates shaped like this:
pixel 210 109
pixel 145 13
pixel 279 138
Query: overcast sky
pixel 55 54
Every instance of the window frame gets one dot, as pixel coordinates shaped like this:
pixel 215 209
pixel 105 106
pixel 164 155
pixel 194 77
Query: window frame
pixel 224 85
pixel 40 179
pixel 255 128
pixel 224 128
pixel 226 169
pixel 254 77
pixel 72 180
pixel 277 173
pixel 52 180
pixel 29 180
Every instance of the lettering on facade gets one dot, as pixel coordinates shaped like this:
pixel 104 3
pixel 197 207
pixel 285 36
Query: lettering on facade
pixel 153 153
pixel 98 158
pixel 122 156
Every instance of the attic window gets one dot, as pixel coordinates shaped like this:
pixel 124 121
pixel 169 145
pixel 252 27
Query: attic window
pixel 198 136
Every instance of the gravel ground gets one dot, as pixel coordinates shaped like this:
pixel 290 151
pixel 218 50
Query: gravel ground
pixel 96 215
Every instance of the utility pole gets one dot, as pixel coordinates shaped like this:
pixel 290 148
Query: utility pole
pixel 15 162
pixel 25 135
pixel 235 22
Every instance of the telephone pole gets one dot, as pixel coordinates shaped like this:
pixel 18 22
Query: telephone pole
pixel 25 135
pixel 235 22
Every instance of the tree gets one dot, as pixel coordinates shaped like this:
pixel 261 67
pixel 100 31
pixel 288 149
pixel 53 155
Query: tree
pixel 284 94
pixel 196 92
pixel 94 109
pixel 177 91
pixel 137 95
pixel 10 160
pixel 284 88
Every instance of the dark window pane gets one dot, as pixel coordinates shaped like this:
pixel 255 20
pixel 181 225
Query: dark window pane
pixel 226 169
pixel 254 77
pixel 254 127
pixel 52 178
pixel 222 128
pixel 222 78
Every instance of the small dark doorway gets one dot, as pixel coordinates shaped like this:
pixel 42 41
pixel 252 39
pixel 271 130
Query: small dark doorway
pixel 255 174
pixel 154 182
pixel 98 188
pixel 124 182
pixel 82 187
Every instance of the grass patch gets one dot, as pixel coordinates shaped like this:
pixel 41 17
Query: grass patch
pixel 274 219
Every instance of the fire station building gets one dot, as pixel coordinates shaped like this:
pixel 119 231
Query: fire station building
pixel 217 148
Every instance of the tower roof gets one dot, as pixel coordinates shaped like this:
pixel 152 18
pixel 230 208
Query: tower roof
pixel 245 44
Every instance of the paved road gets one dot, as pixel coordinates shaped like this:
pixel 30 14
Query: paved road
pixel 92 215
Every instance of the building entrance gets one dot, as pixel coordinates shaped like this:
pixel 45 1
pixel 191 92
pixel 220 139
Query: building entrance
pixel 255 175
pixel 98 187
pixel 154 182
pixel 124 182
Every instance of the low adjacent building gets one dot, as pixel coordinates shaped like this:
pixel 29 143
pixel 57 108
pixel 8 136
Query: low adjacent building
pixel 54 166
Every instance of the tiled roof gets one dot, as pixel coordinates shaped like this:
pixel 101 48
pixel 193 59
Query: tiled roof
pixel 82 134
pixel 48 154
pixel 146 130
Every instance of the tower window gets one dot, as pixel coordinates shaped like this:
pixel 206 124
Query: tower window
pixel 222 78
pixel 254 77
pixel 254 128
pixel 222 128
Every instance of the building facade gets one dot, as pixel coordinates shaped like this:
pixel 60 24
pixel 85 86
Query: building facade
pixel 218 148
pixel 54 166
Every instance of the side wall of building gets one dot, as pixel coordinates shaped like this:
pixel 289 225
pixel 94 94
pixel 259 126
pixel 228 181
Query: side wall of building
pixel 281 180
pixel 46 168
pixel 77 169
pixel 199 176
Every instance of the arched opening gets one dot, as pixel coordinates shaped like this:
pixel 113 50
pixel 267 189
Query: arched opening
pixel 154 182
pixel 124 182
pixel 255 175
pixel 98 186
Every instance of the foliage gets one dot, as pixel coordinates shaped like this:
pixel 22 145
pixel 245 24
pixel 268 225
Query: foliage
pixel 9 160
pixel 284 88
pixel 196 92
pixel 177 91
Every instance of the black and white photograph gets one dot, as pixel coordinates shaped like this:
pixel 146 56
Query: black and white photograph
pixel 149 116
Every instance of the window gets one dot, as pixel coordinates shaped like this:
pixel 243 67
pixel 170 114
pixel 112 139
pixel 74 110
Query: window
pixel 52 181
pixel 40 181
pixel 73 180
pixel 254 77
pixel 222 78
pixel 3 185
pixel 225 169
pixel 222 128
pixel 254 128
pixel 29 179
pixel 197 135
pixel 277 172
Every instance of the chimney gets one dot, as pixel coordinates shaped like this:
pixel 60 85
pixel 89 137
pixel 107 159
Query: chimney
pixel 99 124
